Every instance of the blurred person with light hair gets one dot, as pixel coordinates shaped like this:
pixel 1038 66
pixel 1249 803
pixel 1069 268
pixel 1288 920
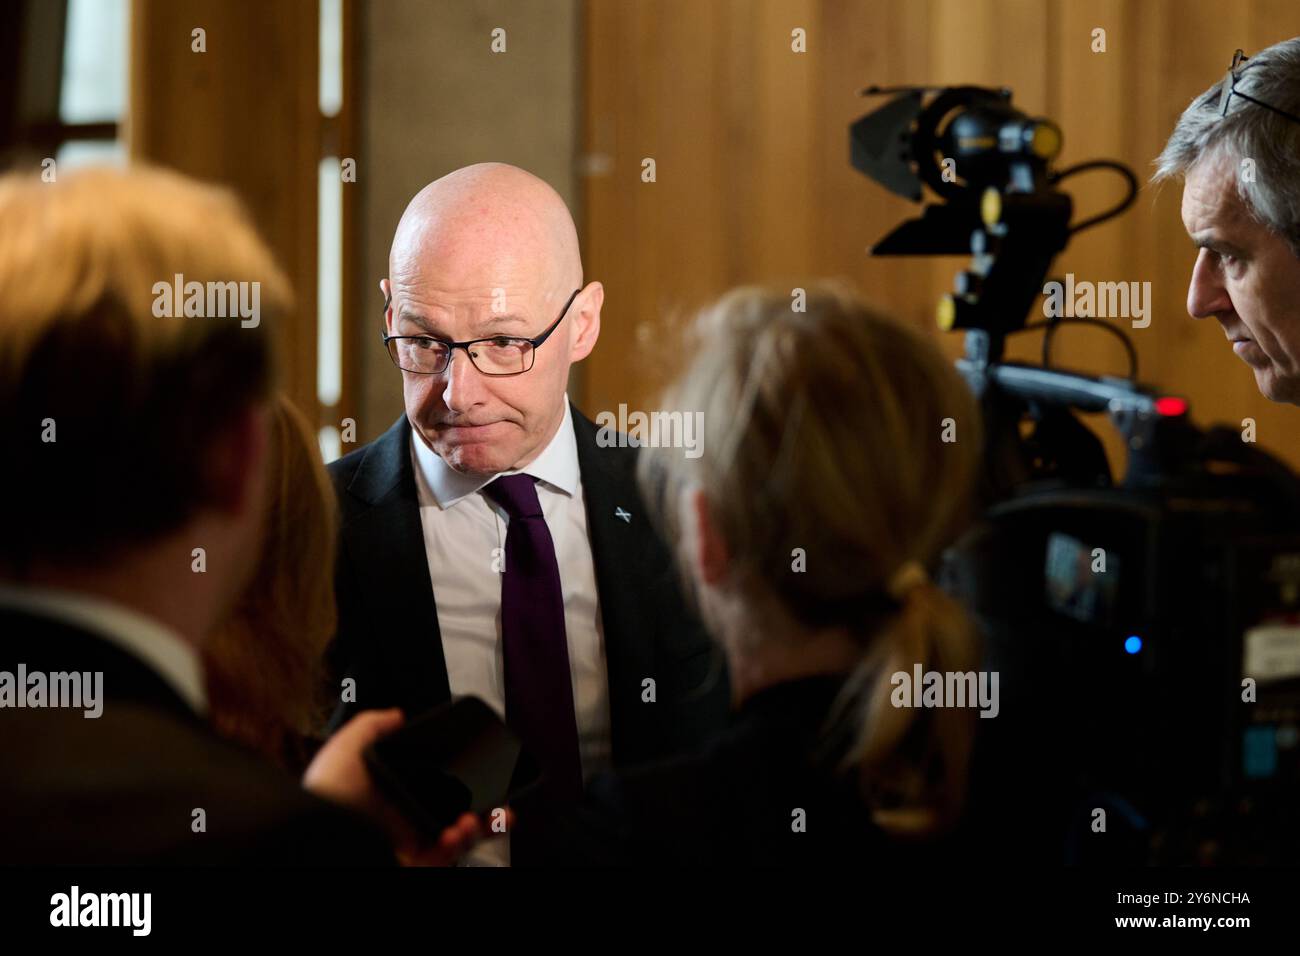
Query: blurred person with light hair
pixel 806 531
pixel 136 438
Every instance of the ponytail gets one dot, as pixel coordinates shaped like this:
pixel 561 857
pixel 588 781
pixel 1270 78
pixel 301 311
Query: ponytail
pixel 913 761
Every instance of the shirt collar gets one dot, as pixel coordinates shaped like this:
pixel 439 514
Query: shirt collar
pixel 556 466
pixel 156 645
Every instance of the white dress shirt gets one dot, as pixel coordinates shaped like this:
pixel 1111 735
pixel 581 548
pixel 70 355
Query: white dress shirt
pixel 463 530
pixel 156 646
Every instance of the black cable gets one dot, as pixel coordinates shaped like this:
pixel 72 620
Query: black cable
pixel 1051 325
pixel 1110 164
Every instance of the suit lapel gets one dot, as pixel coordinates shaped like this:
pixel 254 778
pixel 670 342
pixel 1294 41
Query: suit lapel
pixel 619 531
pixel 385 544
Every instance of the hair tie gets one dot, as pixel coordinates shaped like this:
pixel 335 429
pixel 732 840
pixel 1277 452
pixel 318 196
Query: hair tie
pixel 910 574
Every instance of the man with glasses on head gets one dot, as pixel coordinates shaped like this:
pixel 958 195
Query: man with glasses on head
pixel 490 546
pixel 1237 148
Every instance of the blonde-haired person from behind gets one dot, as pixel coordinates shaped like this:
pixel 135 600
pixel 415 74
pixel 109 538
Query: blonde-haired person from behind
pixel 264 664
pixel 823 493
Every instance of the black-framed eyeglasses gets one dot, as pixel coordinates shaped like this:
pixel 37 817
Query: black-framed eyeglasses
pixel 1228 89
pixel 494 355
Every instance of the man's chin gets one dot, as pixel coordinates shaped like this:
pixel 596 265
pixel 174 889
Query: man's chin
pixel 472 458
pixel 475 451
pixel 472 461
pixel 1277 388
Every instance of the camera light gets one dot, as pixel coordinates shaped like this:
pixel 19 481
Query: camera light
pixel 991 207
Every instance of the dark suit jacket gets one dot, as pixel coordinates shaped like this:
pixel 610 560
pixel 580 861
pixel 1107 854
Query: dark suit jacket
pixel 731 803
pixel 388 637
pixel 121 788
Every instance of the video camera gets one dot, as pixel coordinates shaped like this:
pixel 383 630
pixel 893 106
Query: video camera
pixel 1147 631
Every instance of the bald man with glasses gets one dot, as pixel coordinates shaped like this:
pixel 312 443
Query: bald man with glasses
pixel 490 545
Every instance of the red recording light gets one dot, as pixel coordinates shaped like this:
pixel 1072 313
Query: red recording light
pixel 1170 407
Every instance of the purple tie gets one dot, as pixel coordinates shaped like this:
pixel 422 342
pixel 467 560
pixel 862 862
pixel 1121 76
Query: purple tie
pixel 539 690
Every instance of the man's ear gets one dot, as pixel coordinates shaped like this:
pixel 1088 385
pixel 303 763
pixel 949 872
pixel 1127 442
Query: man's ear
pixel 710 550
pixel 586 321
pixel 237 457
pixel 386 288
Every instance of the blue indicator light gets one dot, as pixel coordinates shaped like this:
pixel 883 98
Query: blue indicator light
pixel 1133 644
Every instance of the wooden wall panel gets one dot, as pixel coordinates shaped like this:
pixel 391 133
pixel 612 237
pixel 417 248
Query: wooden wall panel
pixel 754 182
pixel 244 114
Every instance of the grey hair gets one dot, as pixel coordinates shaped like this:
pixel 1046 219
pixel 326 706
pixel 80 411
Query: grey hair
pixel 1249 131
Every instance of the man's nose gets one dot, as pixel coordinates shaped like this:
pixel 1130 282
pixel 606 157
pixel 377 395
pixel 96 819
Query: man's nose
pixel 1206 295
pixel 464 383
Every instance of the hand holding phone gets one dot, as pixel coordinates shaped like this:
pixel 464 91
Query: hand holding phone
pixel 455 759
